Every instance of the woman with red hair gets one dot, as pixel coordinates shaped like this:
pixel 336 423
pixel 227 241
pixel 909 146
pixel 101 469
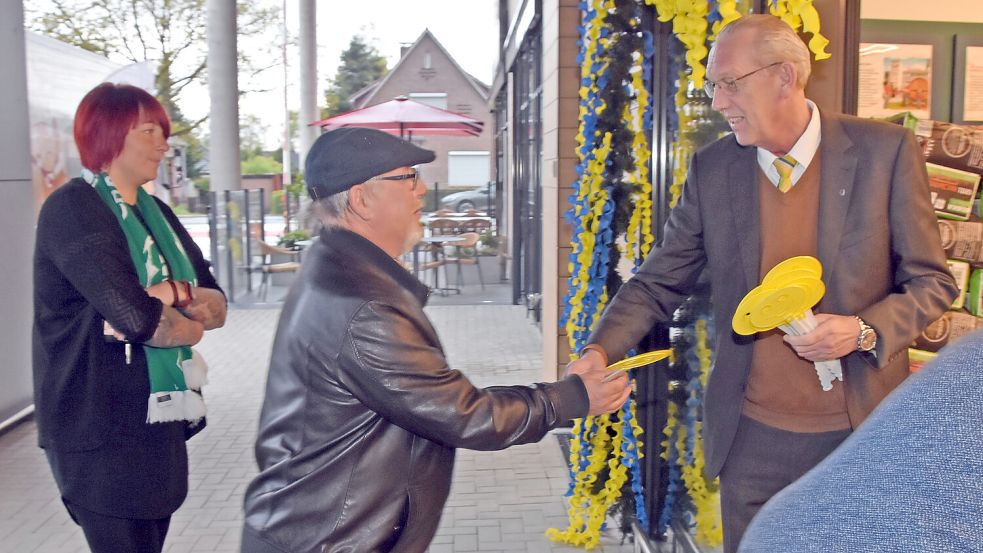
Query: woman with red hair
pixel 121 293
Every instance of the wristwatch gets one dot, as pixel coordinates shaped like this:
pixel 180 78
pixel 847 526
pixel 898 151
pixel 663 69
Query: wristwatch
pixel 867 339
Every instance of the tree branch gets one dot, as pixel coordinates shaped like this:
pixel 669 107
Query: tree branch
pixel 190 127
pixel 177 85
pixel 137 29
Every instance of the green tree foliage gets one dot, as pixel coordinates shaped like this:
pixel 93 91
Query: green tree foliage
pixel 194 152
pixel 261 165
pixel 251 130
pixel 361 64
pixel 171 33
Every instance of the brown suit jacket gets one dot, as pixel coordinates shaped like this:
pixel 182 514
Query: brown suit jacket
pixel 878 243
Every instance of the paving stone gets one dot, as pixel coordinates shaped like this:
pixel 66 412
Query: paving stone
pixel 500 501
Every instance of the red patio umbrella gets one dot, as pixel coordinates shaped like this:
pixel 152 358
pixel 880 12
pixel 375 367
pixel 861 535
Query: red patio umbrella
pixel 401 115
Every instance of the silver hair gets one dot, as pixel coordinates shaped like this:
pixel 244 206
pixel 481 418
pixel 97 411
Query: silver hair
pixel 776 41
pixel 331 210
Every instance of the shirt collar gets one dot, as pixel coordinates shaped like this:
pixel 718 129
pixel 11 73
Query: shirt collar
pixel 803 151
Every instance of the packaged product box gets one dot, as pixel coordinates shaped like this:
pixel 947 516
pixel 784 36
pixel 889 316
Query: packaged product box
pixel 918 357
pixel 953 191
pixel 960 271
pixel 974 297
pixel 948 328
pixel 906 119
pixel 962 240
pixel 955 146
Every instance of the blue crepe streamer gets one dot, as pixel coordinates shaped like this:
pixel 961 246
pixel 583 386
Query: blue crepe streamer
pixel 631 459
pixel 673 482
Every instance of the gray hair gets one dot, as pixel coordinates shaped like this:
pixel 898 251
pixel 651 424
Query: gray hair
pixel 331 210
pixel 775 41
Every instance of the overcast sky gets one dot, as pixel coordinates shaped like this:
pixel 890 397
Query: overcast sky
pixel 468 29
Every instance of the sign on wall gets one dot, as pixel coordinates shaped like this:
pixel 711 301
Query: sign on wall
pixel 895 78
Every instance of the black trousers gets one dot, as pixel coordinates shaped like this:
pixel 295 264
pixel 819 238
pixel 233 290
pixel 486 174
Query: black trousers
pixel 107 534
pixel 761 462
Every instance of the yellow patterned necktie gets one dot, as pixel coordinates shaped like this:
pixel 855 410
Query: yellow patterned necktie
pixel 784 166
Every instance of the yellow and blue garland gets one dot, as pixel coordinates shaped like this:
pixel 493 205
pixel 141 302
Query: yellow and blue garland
pixel 689 496
pixel 612 198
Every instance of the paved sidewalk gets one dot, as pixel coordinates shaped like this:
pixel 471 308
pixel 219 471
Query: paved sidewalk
pixel 500 501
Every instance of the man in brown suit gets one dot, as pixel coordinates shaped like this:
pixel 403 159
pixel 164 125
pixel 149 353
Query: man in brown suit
pixel 789 181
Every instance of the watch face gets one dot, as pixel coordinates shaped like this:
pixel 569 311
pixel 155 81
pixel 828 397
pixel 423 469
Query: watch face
pixel 868 340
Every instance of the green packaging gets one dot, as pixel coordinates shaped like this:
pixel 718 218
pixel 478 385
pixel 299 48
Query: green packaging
pixel 974 297
pixel 918 357
pixel 960 272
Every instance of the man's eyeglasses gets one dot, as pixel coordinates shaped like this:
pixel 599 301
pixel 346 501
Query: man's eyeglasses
pixel 415 175
pixel 730 85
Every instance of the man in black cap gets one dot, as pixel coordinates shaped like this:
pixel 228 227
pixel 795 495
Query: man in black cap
pixel 362 414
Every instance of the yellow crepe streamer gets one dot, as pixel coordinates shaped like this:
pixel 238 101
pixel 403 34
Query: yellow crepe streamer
pixel 706 499
pixel 728 12
pixel 587 510
pixel 639 237
pixel 801 14
pixel 689 24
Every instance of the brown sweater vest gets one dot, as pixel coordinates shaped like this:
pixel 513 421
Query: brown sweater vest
pixel 783 390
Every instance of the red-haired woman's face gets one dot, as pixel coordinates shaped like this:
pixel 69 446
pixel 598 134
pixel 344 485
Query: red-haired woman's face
pixel 143 150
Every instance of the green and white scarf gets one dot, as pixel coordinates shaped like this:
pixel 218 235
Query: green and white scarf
pixel 176 374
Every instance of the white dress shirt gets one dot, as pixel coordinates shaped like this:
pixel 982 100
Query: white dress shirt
pixel 803 151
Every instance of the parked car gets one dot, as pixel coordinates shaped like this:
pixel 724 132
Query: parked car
pixel 482 199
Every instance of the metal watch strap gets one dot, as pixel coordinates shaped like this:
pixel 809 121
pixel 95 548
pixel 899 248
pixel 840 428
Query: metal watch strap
pixel 864 329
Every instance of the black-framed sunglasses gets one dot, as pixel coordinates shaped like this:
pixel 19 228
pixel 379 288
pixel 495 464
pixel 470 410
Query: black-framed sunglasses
pixel 730 85
pixel 415 175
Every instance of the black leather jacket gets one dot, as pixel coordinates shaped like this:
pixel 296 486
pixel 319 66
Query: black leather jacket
pixel 362 414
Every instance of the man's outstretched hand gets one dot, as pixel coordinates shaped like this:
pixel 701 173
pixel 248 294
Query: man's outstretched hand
pixel 605 397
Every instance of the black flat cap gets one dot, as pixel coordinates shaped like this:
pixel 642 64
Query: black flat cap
pixel 344 157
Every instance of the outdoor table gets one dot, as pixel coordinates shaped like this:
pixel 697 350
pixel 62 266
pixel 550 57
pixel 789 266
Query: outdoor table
pixel 439 242
pixel 453 217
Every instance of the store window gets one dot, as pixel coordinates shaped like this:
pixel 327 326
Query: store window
pixel 502 157
pixel 527 287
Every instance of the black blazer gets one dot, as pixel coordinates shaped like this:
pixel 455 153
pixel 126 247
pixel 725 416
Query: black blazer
pixel 90 405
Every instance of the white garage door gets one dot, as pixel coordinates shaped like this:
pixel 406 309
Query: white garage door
pixel 468 168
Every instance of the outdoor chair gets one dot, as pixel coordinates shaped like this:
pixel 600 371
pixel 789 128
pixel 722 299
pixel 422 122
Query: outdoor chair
pixel 443 227
pixel 477 225
pixel 268 268
pixel 466 253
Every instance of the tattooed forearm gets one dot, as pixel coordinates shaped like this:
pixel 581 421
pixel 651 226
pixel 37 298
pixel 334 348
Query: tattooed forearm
pixel 174 329
pixel 208 308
